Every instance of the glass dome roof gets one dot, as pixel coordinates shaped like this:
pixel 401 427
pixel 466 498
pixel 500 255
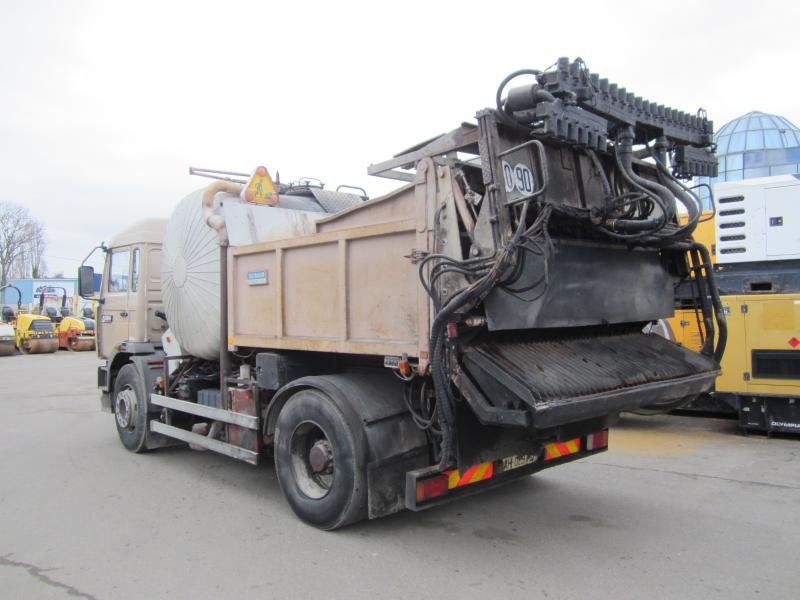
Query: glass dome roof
pixel 755 145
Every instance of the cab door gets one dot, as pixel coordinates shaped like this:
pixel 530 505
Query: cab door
pixel 115 309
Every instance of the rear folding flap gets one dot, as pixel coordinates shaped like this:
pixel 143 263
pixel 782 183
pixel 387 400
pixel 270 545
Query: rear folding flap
pixel 561 380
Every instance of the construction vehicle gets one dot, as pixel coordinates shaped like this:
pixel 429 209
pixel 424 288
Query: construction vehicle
pixel 8 321
pixel 480 323
pixel 686 327
pixel 74 333
pixel 33 333
pixel 758 273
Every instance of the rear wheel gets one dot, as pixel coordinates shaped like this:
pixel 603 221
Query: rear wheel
pixel 320 461
pixel 130 409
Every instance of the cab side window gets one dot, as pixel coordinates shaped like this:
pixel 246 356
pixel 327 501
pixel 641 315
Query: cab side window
pixel 118 271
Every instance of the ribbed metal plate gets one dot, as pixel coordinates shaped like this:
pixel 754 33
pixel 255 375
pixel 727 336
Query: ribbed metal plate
pixel 334 202
pixel 544 371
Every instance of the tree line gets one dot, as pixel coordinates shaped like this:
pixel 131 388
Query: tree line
pixel 23 240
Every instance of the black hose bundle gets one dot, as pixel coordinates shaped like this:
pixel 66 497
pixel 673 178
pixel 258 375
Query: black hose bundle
pixel 488 273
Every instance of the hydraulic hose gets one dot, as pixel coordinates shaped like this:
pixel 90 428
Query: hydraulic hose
pixel 684 195
pixel 624 153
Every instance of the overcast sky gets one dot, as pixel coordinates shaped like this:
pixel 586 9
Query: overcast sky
pixel 105 105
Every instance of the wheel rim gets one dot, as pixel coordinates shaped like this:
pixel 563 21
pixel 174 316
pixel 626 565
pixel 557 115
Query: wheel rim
pixel 312 460
pixel 125 406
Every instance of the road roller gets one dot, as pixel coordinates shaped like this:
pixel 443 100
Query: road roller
pixel 8 319
pixel 74 333
pixel 35 334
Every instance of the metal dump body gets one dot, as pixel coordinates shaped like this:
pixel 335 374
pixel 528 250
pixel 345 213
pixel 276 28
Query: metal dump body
pixel 352 286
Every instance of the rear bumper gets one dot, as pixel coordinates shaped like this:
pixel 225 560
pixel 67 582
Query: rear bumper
pixel 484 476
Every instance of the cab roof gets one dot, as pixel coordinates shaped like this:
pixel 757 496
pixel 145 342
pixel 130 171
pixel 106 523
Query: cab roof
pixel 150 231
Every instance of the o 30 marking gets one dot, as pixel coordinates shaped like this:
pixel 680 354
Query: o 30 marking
pixel 519 177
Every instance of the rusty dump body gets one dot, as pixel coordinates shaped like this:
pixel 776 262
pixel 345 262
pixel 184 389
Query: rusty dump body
pixel 350 287
pixel 563 335
pixel 483 321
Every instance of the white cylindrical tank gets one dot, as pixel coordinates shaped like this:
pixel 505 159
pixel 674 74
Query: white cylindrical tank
pixel 190 260
pixel 190 278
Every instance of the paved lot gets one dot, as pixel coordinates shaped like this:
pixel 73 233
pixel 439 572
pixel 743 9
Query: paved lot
pixel 679 508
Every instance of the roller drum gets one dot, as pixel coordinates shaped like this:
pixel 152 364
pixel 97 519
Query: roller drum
pixel 39 346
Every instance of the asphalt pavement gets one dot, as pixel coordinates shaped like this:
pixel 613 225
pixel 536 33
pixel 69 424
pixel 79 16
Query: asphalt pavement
pixel 680 507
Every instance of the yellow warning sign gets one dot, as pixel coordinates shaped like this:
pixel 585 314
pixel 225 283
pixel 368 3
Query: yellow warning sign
pixel 260 189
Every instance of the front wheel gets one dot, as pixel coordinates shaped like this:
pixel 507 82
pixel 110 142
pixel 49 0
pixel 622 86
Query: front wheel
pixel 319 462
pixel 130 409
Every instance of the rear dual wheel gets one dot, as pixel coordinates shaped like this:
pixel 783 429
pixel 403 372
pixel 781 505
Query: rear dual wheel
pixel 320 461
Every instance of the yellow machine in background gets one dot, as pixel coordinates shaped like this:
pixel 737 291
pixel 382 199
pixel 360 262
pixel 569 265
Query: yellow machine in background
pixel 761 365
pixel 758 276
pixel 761 368
pixel 35 334
pixel 685 327
pixel 762 355
pixel 74 333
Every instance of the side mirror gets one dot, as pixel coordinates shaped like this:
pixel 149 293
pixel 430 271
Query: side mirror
pixel 86 281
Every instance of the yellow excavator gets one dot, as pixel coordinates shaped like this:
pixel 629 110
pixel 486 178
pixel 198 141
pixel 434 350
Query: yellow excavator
pixel 8 323
pixel 74 333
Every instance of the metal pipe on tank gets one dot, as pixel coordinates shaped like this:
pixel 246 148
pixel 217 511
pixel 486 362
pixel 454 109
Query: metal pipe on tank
pixel 215 221
pixel 224 357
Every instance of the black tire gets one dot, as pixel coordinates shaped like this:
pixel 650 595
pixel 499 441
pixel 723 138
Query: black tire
pixel 130 409
pixel 327 501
